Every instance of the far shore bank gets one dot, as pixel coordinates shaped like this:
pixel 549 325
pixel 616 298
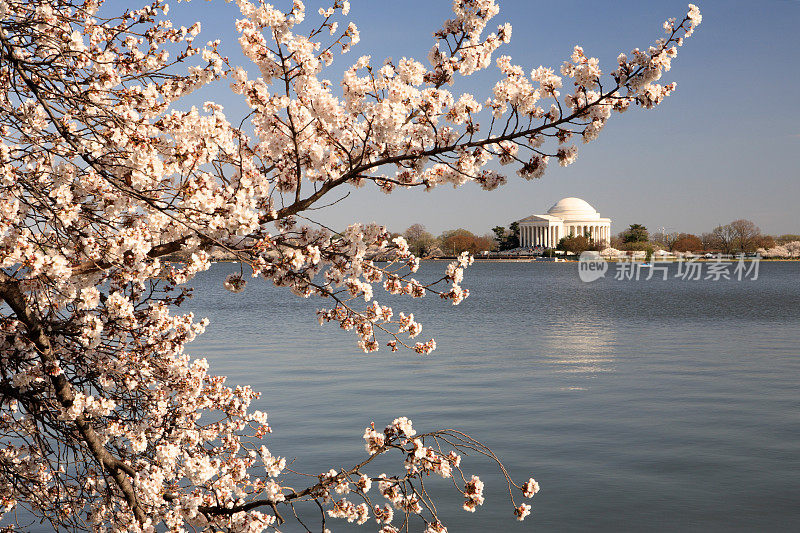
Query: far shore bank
pixel 215 258
pixel 534 260
pixel 574 260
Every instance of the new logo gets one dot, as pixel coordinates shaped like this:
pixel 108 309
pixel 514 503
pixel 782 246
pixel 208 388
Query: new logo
pixel 591 266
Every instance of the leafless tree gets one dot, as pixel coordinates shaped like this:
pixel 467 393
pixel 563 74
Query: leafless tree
pixel 724 239
pixel 745 233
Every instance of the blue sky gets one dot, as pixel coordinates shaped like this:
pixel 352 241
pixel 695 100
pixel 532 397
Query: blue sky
pixel 724 146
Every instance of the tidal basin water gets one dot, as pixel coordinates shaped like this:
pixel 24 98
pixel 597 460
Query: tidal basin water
pixel 637 405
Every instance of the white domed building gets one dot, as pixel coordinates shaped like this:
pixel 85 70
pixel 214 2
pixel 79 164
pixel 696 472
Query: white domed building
pixel 568 217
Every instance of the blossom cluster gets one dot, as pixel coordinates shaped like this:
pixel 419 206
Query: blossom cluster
pixel 116 191
pixel 781 251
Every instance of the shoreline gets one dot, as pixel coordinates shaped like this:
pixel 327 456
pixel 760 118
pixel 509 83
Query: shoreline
pixel 534 260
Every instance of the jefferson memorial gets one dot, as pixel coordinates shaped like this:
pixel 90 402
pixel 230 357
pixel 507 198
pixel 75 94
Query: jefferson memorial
pixel 568 217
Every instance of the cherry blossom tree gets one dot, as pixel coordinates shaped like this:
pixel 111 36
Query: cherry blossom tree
pixel 105 420
pixel 781 251
pixel 793 248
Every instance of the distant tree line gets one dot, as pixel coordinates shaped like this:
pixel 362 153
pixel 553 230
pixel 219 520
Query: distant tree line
pixel 451 242
pixel 740 236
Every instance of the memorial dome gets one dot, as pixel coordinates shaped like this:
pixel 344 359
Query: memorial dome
pixel 573 208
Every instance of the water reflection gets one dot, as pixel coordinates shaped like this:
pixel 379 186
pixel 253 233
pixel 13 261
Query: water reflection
pixel 638 406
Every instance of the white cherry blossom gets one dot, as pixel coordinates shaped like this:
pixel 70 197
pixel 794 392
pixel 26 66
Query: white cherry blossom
pixel 118 185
